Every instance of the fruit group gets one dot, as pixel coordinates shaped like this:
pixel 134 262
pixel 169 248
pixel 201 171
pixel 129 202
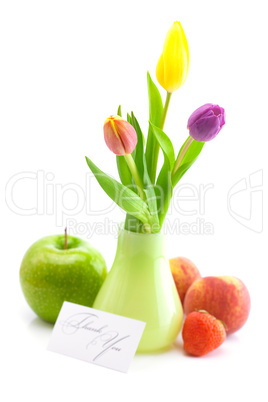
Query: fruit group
pixel 51 274
pixel 225 297
pixel 202 333
pixel 184 273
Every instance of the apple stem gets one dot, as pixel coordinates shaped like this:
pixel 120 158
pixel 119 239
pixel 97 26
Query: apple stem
pixel 65 243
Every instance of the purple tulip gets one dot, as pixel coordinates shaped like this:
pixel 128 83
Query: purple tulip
pixel 206 122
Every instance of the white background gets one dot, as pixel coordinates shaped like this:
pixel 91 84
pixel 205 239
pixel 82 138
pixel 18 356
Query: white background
pixel 66 66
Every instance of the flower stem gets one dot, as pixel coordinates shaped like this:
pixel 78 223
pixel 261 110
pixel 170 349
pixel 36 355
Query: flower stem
pixel 134 171
pixel 181 155
pixel 164 115
pixel 155 151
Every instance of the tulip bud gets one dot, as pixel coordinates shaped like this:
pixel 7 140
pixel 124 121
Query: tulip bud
pixel 206 122
pixel 119 135
pixel 173 64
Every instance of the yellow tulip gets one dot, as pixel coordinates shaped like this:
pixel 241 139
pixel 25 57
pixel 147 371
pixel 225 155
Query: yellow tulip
pixel 172 67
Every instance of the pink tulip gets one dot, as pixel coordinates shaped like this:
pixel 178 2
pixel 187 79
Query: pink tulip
pixel 119 135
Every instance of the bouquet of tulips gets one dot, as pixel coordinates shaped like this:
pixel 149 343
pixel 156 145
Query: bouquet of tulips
pixel 144 195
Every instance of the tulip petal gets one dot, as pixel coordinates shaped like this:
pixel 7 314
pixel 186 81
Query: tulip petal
pixel 112 140
pixel 173 64
pixel 220 113
pixel 206 122
pixel 186 47
pixel 119 135
pixel 127 135
pixel 175 59
pixel 205 129
pixel 160 71
pixel 198 113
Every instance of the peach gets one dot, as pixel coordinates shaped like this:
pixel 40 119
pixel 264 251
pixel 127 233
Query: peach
pixel 184 273
pixel 225 297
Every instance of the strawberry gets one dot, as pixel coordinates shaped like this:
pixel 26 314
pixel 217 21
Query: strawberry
pixel 202 333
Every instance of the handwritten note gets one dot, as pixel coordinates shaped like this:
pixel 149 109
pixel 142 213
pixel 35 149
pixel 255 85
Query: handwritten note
pixel 96 336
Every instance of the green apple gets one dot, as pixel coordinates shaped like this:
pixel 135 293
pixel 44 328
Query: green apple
pixel 61 268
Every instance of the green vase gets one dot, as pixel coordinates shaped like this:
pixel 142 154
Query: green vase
pixel 140 286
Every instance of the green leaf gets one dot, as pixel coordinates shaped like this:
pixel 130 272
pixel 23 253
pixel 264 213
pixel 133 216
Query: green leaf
pixel 155 102
pixel 155 115
pixel 190 157
pixel 164 189
pixel 133 224
pixel 119 111
pixel 129 118
pixel 140 162
pixel 123 171
pixel 121 195
pixel 164 143
pixel 139 147
pixel 149 190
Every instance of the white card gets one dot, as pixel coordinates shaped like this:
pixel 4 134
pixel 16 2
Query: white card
pixel 95 336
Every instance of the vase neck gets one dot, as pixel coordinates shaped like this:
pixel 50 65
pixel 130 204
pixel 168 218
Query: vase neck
pixel 136 243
